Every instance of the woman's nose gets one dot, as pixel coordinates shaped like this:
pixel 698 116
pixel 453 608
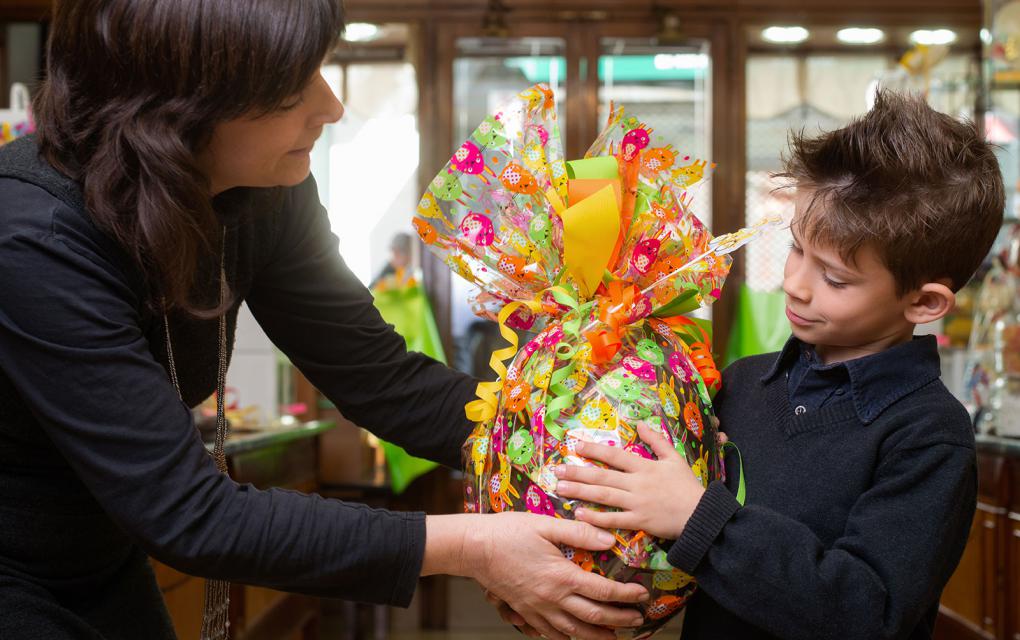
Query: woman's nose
pixel 331 109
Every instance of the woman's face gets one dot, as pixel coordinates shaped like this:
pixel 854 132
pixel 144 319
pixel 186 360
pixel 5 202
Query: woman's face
pixel 271 150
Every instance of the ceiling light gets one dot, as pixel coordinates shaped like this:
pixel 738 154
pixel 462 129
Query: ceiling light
pixel 933 36
pixel 785 35
pixel 360 32
pixel 860 35
pixel 668 61
pixel 986 36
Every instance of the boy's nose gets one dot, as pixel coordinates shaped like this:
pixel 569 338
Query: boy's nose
pixel 795 283
pixel 797 293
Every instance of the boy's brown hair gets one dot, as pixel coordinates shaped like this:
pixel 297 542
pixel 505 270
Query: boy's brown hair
pixel 920 187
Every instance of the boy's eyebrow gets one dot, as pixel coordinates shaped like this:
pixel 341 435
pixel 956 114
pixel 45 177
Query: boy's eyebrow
pixel 828 264
pixel 831 266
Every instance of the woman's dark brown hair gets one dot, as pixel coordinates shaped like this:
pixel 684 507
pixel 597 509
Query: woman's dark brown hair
pixel 134 89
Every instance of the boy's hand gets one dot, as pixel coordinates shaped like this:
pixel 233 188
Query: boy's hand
pixel 657 496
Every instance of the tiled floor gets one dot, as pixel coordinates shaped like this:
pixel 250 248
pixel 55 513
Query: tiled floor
pixel 470 617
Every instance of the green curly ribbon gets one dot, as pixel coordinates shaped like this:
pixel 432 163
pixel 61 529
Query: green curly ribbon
pixel 565 351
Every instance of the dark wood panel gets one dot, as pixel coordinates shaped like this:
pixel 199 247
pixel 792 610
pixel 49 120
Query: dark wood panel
pixel 613 10
pixel 982 599
pixel 1013 571
pixel 962 599
pixel 184 602
pixel 951 627
pixel 994 584
pixel 31 10
pixel 953 11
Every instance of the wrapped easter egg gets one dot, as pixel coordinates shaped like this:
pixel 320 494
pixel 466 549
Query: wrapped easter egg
pixel 602 260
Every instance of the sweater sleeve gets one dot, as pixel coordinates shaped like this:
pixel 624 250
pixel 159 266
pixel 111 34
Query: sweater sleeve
pixel 71 343
pixel 776 574
pixel 315 310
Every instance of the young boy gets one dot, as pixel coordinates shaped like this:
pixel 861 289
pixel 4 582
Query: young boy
pixel 859 464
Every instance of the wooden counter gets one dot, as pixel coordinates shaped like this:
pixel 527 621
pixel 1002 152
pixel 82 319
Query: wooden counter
pixel 982 599
pixel 278 457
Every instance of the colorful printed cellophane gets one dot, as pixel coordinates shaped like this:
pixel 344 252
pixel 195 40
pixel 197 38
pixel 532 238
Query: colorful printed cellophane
pixel 606 355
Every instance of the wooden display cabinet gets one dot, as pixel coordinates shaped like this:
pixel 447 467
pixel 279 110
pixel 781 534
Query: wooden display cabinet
pixel 982 599
pixel 286 458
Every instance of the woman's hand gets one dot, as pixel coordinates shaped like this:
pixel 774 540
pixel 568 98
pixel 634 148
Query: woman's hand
pixel 516 558
pixel 510 616
pixel 656 496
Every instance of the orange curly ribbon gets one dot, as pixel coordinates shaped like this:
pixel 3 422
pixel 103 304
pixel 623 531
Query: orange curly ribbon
pixel 700 351
pixel 615 302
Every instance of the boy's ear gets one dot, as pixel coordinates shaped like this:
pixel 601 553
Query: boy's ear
pixel 931 302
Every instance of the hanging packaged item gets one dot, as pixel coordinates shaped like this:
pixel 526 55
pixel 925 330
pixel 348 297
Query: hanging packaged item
pixel 992 375
pixel 600 258
pixel 16 121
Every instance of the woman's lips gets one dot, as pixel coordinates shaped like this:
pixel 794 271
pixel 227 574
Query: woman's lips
pixel 797 320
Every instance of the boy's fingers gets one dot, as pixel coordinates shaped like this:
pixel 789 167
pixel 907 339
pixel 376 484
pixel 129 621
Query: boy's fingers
pixel 613 456
pixel 607 519
pixel 658 444
pixel 591 475
pixel 608 496
pixel 722 438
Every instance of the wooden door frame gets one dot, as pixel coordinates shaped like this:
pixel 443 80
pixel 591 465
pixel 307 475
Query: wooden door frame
pixel 725 25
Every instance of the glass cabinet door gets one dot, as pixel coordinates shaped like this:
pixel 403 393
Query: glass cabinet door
pixel 668 87
pixel 488 72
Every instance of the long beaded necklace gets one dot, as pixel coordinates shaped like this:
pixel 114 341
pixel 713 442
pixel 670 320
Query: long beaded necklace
pixel 215 618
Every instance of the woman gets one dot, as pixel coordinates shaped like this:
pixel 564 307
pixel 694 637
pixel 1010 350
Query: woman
pixel 170 182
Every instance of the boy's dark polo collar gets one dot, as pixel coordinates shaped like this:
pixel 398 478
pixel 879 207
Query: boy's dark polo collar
pixel 878 380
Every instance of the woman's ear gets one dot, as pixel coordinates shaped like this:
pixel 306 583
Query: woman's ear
pixel 931 302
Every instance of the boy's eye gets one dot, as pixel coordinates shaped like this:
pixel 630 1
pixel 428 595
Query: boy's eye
pixel 794 247
pixel 833 283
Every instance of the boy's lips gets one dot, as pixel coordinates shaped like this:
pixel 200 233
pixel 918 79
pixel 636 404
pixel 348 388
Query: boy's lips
pixel 796 319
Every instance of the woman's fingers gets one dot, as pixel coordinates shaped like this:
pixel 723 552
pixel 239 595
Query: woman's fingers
pixel 542 590
pixel 547 629
pixel 599 589
pixel 601 615
pixel 574 627
pixel 573 534
pixel 505 611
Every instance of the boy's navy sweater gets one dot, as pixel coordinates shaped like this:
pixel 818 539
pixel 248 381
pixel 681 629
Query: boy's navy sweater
pixel 856 514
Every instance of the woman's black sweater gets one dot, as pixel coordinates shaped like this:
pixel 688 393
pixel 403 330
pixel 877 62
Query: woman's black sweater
pixel 99 457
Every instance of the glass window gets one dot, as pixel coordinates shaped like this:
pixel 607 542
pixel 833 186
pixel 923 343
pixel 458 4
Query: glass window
pixel 668 87
pixel 487 73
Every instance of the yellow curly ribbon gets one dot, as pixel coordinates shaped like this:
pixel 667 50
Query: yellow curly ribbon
pixel 484 408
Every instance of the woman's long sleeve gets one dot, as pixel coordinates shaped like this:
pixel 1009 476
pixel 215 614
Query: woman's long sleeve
pixel 72 348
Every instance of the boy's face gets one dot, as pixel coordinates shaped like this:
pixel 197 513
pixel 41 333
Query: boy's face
pixel 845 310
